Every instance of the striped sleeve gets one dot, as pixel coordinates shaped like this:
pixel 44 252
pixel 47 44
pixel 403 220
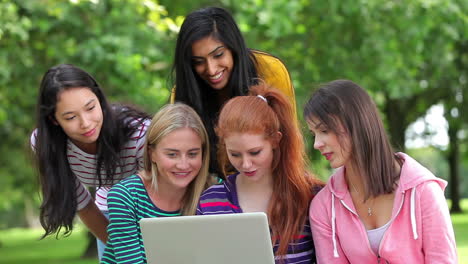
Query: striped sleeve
pixel 140 143
pixel 83 197
pixel 124 238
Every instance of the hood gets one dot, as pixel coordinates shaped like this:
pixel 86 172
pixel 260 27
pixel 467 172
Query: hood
pixel 412 174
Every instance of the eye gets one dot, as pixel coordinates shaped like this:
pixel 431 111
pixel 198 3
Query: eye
pixel 70 118
pixel 255 153
pixel 91 108
pixel 193 154
pixel 235 155
pixel 219 54
pixel 171 154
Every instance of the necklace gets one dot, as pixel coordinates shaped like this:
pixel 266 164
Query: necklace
pixel 369 208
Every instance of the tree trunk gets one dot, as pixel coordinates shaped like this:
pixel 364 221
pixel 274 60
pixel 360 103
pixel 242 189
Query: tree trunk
pixel 396 123
pixel 453 158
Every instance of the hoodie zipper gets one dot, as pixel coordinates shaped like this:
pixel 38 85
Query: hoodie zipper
pixel 393 218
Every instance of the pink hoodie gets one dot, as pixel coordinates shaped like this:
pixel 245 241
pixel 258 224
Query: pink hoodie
pixel 420 230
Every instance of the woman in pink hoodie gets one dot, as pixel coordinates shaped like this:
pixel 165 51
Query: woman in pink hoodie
pixel 378 206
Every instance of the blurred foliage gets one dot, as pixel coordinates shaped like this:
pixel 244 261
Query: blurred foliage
pixel 409 55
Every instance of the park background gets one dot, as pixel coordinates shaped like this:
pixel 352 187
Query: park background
pixel 411 56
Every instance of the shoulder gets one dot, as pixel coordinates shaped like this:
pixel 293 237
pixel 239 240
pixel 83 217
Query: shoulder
pixel 127 186
pixel 218 199
pixel 141 125
pixel 265 57
pixel 218 191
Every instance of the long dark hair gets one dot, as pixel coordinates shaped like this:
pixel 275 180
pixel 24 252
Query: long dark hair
pixel 190 88
pixel 345 103
pixel 292 184
pixel 57 181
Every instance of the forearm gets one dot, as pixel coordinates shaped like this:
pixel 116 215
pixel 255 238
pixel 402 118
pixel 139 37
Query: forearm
pixel 96 222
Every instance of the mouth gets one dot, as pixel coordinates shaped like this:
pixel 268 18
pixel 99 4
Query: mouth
pixel 89 133
pixel 216 78
pixel 250 173
pixel 327 155
pixel 182 174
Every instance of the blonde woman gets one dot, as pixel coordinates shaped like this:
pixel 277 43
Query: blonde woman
pixel 175 173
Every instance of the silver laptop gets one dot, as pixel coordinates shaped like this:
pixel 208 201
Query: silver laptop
pixel 209 239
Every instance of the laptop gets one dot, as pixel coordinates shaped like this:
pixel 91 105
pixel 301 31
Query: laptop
pixel 208 239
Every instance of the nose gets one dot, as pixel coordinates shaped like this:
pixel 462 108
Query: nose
pixel 246 163
pixel 318 143
pixel 183 163
pixel 211 67
pixel 85 122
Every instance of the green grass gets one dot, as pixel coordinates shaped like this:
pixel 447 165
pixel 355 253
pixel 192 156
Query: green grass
pixel 21 246
pixel 460 225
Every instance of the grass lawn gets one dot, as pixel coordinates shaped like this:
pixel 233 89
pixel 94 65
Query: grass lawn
pixel 460 224
pixel 21 246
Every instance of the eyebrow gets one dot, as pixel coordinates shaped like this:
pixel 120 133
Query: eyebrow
pixel 71 112
pixel 176 150
pixel 211 52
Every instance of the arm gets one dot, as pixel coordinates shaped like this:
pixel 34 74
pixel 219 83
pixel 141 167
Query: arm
pixel 94 220
pixel 320 224
pixel 437 231
pixel 124 233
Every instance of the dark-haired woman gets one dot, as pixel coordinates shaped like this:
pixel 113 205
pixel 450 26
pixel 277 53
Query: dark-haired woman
pixel 81 141
pixel 379 206
pixel 212 64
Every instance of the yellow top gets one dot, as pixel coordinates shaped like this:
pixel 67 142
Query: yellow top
pixel 271 70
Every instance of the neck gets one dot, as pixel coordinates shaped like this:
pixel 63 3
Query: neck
pixel 263 184
pixel 354 180
pixel 90 148
pixel 166 197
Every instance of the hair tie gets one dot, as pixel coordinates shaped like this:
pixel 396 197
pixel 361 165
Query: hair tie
pixel 263 98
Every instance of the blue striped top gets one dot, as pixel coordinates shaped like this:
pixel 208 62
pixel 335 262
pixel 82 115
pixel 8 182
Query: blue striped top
pixel 223 199
pixel 128 202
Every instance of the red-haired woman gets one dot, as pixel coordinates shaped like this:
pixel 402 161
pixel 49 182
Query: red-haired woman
pixel 266 148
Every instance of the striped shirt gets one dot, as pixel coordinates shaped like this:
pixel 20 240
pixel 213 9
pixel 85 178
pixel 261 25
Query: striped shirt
pixel 128 203
pixel 83 165
pixel 223 199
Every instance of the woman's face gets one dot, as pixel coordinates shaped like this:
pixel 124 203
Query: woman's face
pixel 178 157
pixel 212 61
pixel 250 154
pixel 79 113
pixel 327 142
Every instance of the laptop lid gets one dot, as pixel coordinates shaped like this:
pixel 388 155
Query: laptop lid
pixel 208 239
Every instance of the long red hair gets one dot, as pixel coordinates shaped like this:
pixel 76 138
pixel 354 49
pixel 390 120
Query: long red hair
pixel 292 184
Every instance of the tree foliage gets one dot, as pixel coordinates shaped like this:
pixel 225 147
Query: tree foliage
pixel 409 55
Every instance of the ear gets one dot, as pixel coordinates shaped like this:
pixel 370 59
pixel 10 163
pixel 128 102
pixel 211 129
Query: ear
pixel 276 139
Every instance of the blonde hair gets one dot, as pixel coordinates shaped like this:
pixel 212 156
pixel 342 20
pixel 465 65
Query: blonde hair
pixel 169 118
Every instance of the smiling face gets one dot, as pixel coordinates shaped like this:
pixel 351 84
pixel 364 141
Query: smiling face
pixel 178 157
pixel 212 61
pixel 336 151
pixel 79 113
pixel 250 154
